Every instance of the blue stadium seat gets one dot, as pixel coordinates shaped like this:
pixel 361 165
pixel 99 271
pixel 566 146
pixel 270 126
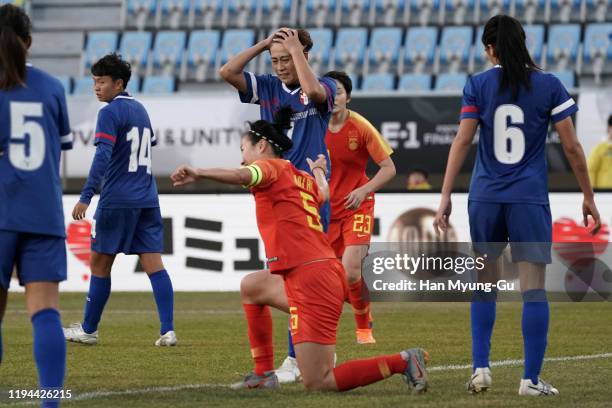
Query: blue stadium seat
pixel 241 12
pixel 420 46
pixel 98 45
pixel 275 11
pixel 490 8
pixel 598 10
pixel 19 3
pixel 133 86
pixel 527 11
pixel 451 82
pixel 83 86
pixel 234 42
pixel 322 44
pixel 208 11
pixel 139 11
pixel 202 47
pixel 354 81
pixel 65 80
pixel 597 41
pixel 567 78
pixel 458 10
pixel 318 12
pixel 425 11
pixel 353 11
pixel 455 46
pixel 535 41
pixel 135 47
pixel 168 49
pixel 385 45
pixel 565 11
pixel 415 82
pixel 377 82
pixel 563 41
pixel 387 11
pixel 174 10
pixel 350 46
pixel 158 85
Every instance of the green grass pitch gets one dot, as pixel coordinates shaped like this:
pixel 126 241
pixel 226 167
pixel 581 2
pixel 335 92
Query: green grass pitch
pixel 126 370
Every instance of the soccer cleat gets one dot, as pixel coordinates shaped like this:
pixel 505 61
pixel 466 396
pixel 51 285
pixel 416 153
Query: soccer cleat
pixel 168 339
pixel 289 371
pixel 75 333
pixel 416 371
pixel 364 336
pixel 252 380
pixel 480 381
pixel 541 389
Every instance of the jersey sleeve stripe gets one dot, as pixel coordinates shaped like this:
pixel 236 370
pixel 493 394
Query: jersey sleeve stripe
pixel 469 109
pixel 66 139
pixel 101 135
pixel 329 92
pixel 563 106
pixel 255 97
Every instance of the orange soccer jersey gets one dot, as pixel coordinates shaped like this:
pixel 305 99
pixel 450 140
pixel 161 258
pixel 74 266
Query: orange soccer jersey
pixel 287 202
pixel 349 151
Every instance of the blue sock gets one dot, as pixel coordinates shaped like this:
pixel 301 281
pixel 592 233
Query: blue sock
pixel 535 331
pixel 99 291
pixel 49 351
pixel 482 313
pixel 164 298
pixel 291 350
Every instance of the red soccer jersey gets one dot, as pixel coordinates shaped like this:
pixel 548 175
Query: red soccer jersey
pixel 349 151
pixel 287 202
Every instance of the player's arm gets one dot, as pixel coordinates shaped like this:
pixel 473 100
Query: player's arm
pixel 233 70
pixel 456 156
pixel 385 173
pixel 308 80
pixel 318 168
pixel 575 155
pixel 186 175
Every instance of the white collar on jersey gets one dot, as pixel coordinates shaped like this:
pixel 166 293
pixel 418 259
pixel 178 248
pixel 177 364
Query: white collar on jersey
pixel 289 90
pixel 123 95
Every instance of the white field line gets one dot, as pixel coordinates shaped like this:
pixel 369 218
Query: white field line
pixel 150 390
pixel 142 311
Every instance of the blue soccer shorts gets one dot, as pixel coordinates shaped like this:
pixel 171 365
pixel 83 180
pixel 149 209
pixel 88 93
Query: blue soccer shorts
pixel 127 230
pixel 38 258
pixel 528 228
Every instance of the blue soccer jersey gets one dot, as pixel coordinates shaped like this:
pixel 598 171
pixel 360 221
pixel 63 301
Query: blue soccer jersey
pixel 511 163
pixel 34 128
pixel 309 120
pixel 128 181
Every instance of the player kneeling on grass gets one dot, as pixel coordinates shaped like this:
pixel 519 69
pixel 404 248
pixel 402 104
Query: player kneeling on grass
pixel 287 201
pixel 127 218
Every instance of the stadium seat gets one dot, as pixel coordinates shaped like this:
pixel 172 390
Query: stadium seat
pixel 568 78
pixel 490 8
pixel 318 12
pixel 420 47
pixel 275 11
pixel 202 52
pixel 455 47
pixel 19 3
pixel 598 10
pixel 384 48
pixel 158 85
pixel 377 82
pixel 415 82
pixel 206 13
pixel 355 12
pixel 174 10
pixel 135 48
pixel 234 42
pixel 66 82
pixel 318 57
pixel 564 11
pixel 460 11
pixel 139 11
pixel 598 48
pixel 535 41
pixel 388 12
pixel 350 48
pixel 98 45
pixel 83 86
pixel 563 41
pixel 241 12
pixel 425 11
pixel 168 51
pixel 133 86
pixel 451 82
pixel 530 11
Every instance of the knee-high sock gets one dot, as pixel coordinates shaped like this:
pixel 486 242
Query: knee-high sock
pixel 535 331
pixel 290 347
pixel 482 313
pixel 359 298
pixel 49 351
pixel 99 292
pixel 357 373
pixel 164 298
pixel 259 321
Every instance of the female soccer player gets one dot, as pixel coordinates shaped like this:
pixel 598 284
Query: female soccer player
pixel 287 202
pixel 34 129
pixel 352 141
pixel 513 103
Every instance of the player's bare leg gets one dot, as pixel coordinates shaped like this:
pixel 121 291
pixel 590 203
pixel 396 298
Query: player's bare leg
pixel 264 288
pixel 99 292
pixel 358 292
pixel 164 296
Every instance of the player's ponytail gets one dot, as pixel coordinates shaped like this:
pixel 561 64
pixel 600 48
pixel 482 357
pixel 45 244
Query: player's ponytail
pixel 273 133
pixel 506 35
pixel 15 27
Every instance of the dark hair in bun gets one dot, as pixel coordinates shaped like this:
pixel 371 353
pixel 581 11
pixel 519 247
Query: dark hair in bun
pixel 273 133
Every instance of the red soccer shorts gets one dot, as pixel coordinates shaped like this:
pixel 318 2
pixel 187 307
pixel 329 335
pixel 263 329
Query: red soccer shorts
pixel 354 229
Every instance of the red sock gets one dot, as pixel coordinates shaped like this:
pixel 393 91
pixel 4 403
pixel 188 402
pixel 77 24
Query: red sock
pixel 357 373
pixel 358 296
pixel 259 321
